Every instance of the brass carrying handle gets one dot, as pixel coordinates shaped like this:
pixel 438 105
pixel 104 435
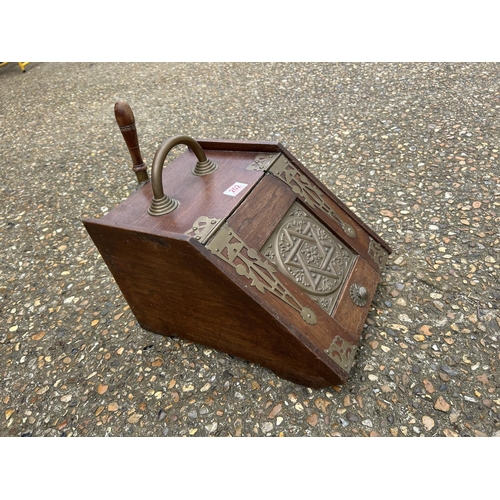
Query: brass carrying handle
pixel 163 204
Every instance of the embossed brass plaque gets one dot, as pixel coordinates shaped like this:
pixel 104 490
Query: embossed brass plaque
pixel 311 255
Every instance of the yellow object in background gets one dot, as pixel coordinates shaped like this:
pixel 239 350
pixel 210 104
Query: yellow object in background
pixel 22 65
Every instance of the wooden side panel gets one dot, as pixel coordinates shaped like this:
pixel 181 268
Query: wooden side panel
pixel 174 286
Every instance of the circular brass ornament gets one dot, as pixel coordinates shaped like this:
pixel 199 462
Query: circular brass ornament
pixel 359 294
pixel 308 316
pixel 349 230
pixel 308 253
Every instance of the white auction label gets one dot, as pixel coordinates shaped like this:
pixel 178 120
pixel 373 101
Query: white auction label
pixel 235 189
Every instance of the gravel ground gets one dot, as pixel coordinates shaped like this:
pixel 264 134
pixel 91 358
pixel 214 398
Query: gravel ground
pixel 411 148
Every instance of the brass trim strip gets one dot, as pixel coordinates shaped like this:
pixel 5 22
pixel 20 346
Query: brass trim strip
pixel 228 246
pixel 301 186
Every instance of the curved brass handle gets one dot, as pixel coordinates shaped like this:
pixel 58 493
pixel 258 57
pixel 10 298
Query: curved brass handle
pixel 163 204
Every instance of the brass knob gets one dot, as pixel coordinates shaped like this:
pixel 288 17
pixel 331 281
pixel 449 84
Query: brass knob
pixel 359 294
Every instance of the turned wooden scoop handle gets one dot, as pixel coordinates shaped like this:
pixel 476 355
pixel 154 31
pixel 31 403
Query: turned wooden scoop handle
pixel 126 121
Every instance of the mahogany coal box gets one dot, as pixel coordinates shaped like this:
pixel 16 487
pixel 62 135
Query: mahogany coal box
pixel 235 245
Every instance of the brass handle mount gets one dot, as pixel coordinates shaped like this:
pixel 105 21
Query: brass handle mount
pixel 163 204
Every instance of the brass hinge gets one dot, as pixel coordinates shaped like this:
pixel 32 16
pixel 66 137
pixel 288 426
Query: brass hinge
pixel 263 161
pixel 203 227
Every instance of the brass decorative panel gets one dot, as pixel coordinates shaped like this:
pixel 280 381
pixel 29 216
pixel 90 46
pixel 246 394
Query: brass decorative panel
pixel 248 262
pixel 309 192
pixel 342 352
pixel 311 255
